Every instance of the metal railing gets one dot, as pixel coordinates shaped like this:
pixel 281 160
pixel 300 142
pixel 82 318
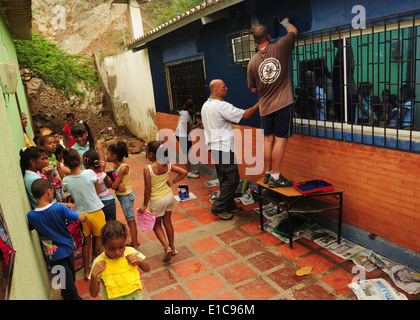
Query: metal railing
pixel 361 85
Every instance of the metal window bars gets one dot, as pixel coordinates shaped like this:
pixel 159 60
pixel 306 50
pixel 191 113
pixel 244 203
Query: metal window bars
pixel 360 85
pixel 186 79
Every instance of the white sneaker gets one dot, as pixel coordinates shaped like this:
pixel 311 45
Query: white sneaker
pixel 193 175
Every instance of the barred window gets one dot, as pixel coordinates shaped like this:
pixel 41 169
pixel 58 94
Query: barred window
pixel 361 85
pixel 186 79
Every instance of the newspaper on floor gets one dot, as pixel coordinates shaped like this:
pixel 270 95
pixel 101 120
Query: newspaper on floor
pixel 375 289
pixel 403 277
pixel 246 198
pixel 346 249
pixel 190 196
pixel 212 183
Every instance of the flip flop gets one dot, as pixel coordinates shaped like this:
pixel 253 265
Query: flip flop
pixel 167 256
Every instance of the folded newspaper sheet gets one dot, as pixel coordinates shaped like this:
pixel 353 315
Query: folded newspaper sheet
pixel 375 289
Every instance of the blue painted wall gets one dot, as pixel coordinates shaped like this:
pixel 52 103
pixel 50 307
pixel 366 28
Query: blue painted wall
pixel 211 39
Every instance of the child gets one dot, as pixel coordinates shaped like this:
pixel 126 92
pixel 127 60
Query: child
pixel 49 220
pixel 85 141
pixel 34 166
pixel 158 191
pixel 68 138
pixel 117 266
pixel 84 187
pixel 49 145
pixel 91 161
pixel 186 124
pixel 116 154
pixel 406 117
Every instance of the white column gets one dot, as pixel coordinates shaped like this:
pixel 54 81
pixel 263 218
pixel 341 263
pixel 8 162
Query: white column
pixel 135 19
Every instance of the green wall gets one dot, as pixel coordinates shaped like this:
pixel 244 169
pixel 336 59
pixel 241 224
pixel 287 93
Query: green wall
pixel 30 279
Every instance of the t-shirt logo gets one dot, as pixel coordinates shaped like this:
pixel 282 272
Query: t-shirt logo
pixel 269 70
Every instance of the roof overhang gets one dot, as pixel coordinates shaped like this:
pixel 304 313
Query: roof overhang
pixel 18 17
pixel 205 9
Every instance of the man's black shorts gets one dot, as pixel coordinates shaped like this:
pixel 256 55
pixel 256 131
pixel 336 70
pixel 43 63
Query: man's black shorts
pixel 279 122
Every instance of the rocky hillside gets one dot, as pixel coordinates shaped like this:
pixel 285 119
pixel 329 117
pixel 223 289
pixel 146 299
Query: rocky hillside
pixel 85 27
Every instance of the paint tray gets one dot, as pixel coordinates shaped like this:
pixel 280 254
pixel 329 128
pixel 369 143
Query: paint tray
pixel 312 186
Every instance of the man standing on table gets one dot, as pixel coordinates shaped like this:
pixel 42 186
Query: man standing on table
pixel 268 74
pixel 217 116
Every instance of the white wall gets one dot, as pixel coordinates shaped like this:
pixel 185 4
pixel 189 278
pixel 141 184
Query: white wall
pixel 129 83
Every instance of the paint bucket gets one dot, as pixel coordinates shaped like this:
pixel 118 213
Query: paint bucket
pixel 183 192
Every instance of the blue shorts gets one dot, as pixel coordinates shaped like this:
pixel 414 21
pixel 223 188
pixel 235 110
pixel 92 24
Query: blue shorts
pixel 127 205
pixel 278 123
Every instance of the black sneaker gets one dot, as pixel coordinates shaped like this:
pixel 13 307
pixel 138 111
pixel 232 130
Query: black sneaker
pixel 280 182
pixel 267 177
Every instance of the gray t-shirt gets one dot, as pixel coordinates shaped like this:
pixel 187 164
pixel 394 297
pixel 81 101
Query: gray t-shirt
pixel 269 73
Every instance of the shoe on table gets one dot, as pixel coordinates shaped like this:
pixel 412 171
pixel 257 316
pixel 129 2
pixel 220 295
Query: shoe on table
pixel 280 182
pixel 193 175
pixel 266 177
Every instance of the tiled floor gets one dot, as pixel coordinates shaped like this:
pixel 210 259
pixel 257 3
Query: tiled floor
pixel 232 260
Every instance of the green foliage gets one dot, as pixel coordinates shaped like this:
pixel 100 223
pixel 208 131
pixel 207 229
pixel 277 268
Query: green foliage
pixel 167 10
pixel 56 67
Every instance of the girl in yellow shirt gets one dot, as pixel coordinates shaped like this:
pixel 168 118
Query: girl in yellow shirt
pixel 158 191
pixel 117 266
pixel 116 154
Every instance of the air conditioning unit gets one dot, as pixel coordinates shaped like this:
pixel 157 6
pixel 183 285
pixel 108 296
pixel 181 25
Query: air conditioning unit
pixel 8 78
pixel 243 48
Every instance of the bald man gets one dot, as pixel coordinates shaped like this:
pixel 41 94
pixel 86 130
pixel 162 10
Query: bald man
pixel 217 117
pixel 268 75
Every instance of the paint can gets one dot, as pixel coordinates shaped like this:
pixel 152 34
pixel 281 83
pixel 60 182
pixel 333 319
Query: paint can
pixel 183 192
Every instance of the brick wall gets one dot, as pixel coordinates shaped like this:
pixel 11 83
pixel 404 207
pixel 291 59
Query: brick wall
pixel 382 190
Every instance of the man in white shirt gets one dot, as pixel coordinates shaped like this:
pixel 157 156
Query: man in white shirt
pixel 217 117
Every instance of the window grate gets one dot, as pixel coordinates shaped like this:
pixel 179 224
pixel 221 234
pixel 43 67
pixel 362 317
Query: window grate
pixel 186 79
pixel 362 85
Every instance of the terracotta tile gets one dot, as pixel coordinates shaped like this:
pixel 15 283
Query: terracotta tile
pixel 176 293
pixel 219 258
pixel 237 273
pixel 268 239
pixel 184 226
pixel 82 286
pixel 190 268
pixel 207 218
pixel 194 187
pixel 286 277
pixel 231 236
pixel 187 204
pixel 194 212
pixel 338 280
pixel 201 192
pixel 313 292
pixel 205 200
pixel 319 263
pixel 205 245
pixel 247 247
pixel 155 261
pixel 178 216
pixel 252 228
pixel 258 289
pixel 183 254
pixel 157 280
pixel 309 243
pixel 205 285
pixel 291 254
pixel 229 295
pixel 265 261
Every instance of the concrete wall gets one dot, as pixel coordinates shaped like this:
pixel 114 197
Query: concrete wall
pixel 30 279
pixel 128 81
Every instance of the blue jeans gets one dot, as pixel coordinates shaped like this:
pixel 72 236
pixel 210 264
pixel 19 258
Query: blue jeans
pixel 127 205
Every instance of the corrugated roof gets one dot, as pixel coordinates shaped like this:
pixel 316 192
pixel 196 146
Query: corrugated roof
pixel 206 8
